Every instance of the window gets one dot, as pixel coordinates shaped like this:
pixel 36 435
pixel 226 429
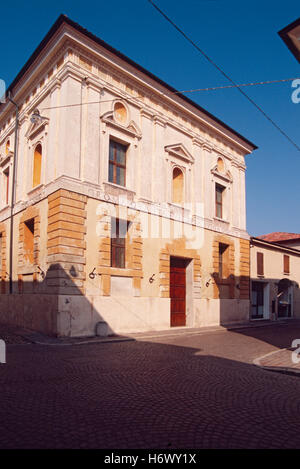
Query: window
pixel 120 113
pixel 37 165
pixel 119 230
pixel 7 147
pixel 219 200
pixel 223 260
pixel 29 241
pixel 117 163
pixel 177 186
pixel 260 263
pixel 6 186
pixel 286 264
pixel 220 165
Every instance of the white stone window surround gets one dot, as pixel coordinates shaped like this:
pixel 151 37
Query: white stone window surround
pixel 126 133
pixel 31 147
pixel 177 156
pixel 223 179
pixel 36 135
pixel 8 165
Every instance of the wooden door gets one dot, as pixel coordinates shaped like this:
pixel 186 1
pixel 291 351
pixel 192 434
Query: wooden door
pixel 178 291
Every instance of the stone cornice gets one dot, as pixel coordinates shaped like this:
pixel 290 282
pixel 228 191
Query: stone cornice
pixel 95 192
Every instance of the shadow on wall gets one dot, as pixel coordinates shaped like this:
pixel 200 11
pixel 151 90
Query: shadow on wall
pixel 50 302
pixel 233 295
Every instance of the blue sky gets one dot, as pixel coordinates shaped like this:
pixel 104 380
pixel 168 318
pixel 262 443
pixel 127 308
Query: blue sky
pixel 240 37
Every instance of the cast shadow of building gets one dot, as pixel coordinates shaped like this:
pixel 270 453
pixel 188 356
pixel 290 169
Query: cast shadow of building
pixel 50 302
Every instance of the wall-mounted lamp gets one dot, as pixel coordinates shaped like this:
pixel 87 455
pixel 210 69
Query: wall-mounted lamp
pixel 36 116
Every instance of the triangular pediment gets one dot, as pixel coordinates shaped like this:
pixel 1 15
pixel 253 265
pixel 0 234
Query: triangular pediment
pixel 36 127
pixel 131 128
pixel 226 174
pixel 180 152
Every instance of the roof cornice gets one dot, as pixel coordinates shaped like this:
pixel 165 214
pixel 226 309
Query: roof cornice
pixel 63 19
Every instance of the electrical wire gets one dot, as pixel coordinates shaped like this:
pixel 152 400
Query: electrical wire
pixel 194 90
pixel 212 88
pixel 224 74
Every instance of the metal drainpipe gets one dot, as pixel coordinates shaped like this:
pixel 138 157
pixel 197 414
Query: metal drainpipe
pixel 12 203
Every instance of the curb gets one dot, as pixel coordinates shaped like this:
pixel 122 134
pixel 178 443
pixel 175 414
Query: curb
pixel 39 339
pixel 278 369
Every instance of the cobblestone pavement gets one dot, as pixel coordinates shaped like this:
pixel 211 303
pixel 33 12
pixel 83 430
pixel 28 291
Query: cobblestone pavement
pixel 189 391
pixel 12 335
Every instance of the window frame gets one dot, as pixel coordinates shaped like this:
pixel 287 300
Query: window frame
pixel 35 152
pixel 286 263
pixel 182 187
pixel 260 264
pixel 114 162
pixel 118 243
pixel 6 174
pixel 219 204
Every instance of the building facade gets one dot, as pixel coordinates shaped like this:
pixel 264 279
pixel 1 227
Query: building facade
pixel 275 277
pixel 129 204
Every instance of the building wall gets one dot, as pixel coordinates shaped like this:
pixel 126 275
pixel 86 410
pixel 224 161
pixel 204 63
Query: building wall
pixel 274 272
pixel 87 97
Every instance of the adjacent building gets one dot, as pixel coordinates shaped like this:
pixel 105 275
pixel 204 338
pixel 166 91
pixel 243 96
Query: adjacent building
pixel 291 240
pixel 129 202
pixel 275 277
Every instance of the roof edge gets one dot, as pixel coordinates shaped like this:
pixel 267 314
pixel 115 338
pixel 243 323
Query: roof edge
pixel 65 19
pixel 276 245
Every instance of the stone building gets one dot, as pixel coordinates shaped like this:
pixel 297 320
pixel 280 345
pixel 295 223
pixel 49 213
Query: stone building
pixel 129 203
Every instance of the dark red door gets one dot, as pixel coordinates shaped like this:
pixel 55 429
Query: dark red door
pixel 177 290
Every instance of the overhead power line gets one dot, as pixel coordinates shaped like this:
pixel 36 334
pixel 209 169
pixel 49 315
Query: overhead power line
pixel 225 75
pixel 212 88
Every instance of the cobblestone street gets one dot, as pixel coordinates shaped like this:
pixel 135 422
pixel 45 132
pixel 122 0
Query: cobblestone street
pixel 185 391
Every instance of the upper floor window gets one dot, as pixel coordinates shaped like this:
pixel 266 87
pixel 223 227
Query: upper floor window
pixel 177 196
pixel 220 165
pixel 117 163
pixel 260 263
pixel 6 185
pixel 120 113
pixel 286 264
pixel 119 230
pixel 7 147
pixel 37 165
pixel 219 200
